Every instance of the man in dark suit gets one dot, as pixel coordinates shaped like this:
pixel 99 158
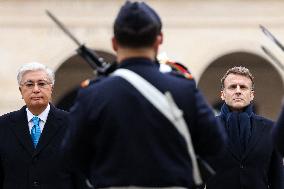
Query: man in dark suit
pixel 118 138
pixel 30 137
pixel 250 160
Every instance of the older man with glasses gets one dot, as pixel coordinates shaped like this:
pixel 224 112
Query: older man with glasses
pixel 30 138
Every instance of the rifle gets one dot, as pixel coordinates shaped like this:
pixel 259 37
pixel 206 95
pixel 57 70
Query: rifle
pixel 268 52
pixel 97 63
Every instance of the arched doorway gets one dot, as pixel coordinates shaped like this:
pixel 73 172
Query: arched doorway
pixel 268 83
pixel 69 76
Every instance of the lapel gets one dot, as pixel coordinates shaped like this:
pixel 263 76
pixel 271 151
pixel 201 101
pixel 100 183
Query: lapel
pixel 232 147
pixel 257 132
pixel 21 129
pixel 51 127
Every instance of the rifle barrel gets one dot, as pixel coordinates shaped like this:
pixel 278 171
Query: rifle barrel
pixel 273 57
pixel 62 27
pixel 272 37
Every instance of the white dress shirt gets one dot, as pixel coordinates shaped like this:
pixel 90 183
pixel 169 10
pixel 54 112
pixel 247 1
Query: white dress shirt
pixel 42 117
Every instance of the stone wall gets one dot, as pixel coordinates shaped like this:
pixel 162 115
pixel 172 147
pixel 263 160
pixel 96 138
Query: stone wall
pixel 196 33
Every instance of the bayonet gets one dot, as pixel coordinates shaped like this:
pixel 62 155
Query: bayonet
pixel 272 37
pixel 273 57
pixel 268 52
pixel 63 28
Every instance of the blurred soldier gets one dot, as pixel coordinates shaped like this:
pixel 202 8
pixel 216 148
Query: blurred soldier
pixel 30 137
pixel 250 160
pixel 278 132
pixel 118 138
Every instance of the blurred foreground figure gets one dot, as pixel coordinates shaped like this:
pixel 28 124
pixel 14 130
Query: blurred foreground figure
pixel 278 132
pixel 117 137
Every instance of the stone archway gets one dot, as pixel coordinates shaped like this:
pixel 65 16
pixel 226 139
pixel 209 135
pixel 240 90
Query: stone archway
pixel 268 83
pixel 69 76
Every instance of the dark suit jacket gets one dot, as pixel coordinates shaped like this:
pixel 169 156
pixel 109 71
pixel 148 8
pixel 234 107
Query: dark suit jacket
pixel 260 167
pixel 22 166
pixel 122 139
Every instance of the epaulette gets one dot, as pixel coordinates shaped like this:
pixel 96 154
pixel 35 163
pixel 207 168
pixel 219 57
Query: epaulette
pixel 175 67
pixel 85 83
pixel 89 82
pixel 178 67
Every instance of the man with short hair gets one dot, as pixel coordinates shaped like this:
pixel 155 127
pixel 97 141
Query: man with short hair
pixel 250 160
pixel 30 138
pixel 118 138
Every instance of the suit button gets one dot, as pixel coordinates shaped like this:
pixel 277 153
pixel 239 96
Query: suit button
pixel 241 166
pixel 36 183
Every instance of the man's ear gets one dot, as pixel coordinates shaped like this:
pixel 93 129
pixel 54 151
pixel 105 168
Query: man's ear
pixel 159 39
pixel 222 95
pixel 251 95
pixel 158 42
pixel 21 92
pixel 114 44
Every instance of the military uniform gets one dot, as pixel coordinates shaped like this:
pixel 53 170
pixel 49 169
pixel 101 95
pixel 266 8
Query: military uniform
pixel 120 139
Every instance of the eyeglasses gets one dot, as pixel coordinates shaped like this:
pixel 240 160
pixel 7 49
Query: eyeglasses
pixel 41 84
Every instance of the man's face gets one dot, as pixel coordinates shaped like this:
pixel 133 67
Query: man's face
pixel 36 89
pixel 237 92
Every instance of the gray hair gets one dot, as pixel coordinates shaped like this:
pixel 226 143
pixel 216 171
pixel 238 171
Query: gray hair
pixel 35 66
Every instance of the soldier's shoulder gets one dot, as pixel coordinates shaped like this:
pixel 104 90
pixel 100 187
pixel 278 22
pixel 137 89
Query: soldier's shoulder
pixel 86 83
pixel 181 69
pixel 101 75
pixel 176 69
pixel 90 82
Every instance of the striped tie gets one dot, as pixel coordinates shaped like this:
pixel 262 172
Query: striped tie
pixel 35 132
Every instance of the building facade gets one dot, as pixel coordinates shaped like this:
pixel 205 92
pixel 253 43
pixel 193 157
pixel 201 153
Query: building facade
pixel 208 36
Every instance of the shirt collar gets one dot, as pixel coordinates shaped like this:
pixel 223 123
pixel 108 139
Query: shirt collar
pixel 134 61
pixel 42 116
